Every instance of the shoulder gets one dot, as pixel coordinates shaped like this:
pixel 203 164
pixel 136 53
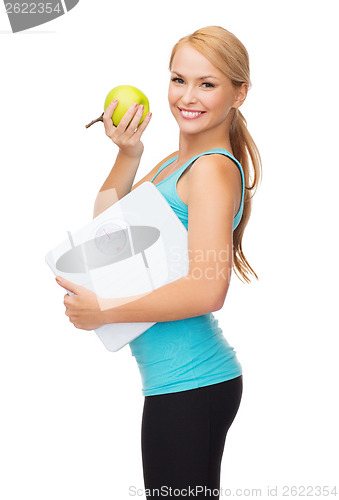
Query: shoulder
pixel 215 174
pixel 169 157
pixel 153 172
pixel 161 162
pixel 214 164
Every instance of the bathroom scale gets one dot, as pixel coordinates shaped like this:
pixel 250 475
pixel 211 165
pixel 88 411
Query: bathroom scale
pixel 135 246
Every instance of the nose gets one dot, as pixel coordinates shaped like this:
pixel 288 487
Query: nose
pixel 188 96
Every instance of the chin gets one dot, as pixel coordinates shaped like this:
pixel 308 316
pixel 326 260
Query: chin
pixel 188 130
pixel 191 128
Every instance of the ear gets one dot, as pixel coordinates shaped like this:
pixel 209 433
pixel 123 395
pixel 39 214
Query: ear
pixel 241 94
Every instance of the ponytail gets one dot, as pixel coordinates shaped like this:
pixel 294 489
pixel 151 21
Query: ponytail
pixel 244 147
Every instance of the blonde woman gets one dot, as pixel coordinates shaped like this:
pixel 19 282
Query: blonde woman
pixel 192 379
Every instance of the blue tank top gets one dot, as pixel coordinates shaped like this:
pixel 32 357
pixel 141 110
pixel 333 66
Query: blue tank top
pixel 175 356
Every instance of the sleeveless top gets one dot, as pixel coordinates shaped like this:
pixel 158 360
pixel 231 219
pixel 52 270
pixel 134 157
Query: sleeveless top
pixel 175 356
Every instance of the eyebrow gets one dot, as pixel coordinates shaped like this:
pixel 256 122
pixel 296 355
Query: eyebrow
pixel 200 78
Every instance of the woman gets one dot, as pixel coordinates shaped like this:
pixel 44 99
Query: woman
pixel 192 380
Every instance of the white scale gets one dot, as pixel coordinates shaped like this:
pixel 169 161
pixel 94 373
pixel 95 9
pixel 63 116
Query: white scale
pixel 135 246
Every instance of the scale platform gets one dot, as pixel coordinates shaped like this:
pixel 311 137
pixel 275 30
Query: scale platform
pixel 135 246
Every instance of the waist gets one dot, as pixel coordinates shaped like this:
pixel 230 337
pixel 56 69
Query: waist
pixel 164 339
pixel 184 354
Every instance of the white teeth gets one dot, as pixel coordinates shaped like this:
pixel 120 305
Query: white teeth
pixel 190 113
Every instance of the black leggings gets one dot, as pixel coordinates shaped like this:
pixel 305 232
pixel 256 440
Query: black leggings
pixel 182 439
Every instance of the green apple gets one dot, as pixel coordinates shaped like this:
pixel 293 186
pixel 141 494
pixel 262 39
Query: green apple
pixel 126 95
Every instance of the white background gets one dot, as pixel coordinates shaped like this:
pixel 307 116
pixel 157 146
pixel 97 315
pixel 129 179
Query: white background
pixel 70 410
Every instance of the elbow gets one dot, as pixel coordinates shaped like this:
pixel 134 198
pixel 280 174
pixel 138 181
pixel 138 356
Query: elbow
pixel 215 301
pixel 216 305
pixel 211 294
pixel 219 299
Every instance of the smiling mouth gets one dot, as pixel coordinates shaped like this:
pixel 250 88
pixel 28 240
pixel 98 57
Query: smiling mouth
pixel 190 114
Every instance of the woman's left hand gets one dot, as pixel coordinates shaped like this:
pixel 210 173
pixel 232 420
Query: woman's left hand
pixel 82 308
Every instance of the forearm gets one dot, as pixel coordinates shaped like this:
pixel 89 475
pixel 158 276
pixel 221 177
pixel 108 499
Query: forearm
pixel 118 183
pixel 182 298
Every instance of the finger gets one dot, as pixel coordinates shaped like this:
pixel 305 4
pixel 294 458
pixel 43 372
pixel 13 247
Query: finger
pixel 127 117
pixel 110 109
pixel 109 127
pixel 67 299
pixel 143 125
pixel 135 121
pixel 72 287
pixel 107 117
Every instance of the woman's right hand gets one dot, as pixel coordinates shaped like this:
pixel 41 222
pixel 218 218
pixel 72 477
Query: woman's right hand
pixel 127 134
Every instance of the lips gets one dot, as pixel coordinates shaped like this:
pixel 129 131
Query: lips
pixel 190 114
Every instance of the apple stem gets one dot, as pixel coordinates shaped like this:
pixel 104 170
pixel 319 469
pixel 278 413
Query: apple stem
pixel 94 121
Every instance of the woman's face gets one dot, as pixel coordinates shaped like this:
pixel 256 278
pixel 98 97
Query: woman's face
pixel 200 95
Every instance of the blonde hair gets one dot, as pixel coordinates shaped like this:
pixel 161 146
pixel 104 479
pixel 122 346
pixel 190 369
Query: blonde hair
pixel 228 54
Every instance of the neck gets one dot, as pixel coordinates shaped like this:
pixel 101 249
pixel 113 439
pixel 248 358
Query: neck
pixel 193 144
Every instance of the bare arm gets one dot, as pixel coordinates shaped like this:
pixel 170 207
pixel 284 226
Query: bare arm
pixel 118 183
pixel 182 298
pixel 127 137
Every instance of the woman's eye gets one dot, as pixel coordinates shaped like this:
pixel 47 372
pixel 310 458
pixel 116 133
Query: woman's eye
pixel 180 80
